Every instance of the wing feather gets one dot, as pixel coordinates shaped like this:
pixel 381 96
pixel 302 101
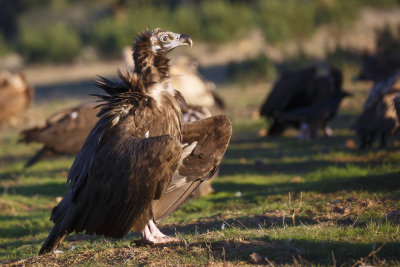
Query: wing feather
pixel 207 140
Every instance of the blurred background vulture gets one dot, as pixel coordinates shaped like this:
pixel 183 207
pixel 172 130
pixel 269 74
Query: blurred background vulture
pixel 314 117
pixel 63 133
pixel 306 99
pixel 140 161
pixel 15 96
pixel 379 118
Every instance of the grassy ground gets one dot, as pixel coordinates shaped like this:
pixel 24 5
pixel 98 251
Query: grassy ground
pixel 277 201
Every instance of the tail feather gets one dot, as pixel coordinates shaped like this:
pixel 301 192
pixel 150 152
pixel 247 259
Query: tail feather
pixel 53 240
pixel 29 135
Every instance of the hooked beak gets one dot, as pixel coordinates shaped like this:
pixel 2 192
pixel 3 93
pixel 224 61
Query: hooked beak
pixel 185 40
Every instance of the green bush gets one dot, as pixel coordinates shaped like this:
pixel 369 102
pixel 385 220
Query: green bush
pixel 56 43
pixel 272 19
pixel 218 21
pixel 341 13
pixel 111 34
pixel 185 21
pixel 223 22
pixel 342 58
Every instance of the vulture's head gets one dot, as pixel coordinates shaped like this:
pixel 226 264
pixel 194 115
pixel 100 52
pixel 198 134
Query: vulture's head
pixel 165 41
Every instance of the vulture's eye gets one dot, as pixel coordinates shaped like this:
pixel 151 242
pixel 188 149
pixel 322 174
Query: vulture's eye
pixel 164 38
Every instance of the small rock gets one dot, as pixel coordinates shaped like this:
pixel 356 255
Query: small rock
pixel 350 143
pixel 296 179
pixel 238 194
pixel 255 258
pixel 255 115
pixel 242 160
pixel 262 133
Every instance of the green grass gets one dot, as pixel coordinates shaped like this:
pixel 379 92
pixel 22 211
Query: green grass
pixel 316 202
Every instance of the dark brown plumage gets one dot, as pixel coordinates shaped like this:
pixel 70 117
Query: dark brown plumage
pixel 63 133
pixel 15 97
pixel 379 118
pixel 140 161
pixel 300 89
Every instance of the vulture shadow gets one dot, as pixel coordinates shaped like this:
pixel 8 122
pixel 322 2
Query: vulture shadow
pixel 293 168
pixel 300 251
pixel 388 182
pixel 50 189
pixel 246 222
pixel 218 74
pixel 37 173
pixel 278 147
pixel 80 90
pixel 278 250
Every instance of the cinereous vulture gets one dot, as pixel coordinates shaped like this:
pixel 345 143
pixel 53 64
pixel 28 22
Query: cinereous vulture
pixel 140 161
pixel 300 89
pixel 379 117
pixel 314 117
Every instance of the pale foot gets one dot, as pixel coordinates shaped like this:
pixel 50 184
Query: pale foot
pixel 152 235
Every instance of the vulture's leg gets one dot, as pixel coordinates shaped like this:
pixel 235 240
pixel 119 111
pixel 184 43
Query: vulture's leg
pixel 153 235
